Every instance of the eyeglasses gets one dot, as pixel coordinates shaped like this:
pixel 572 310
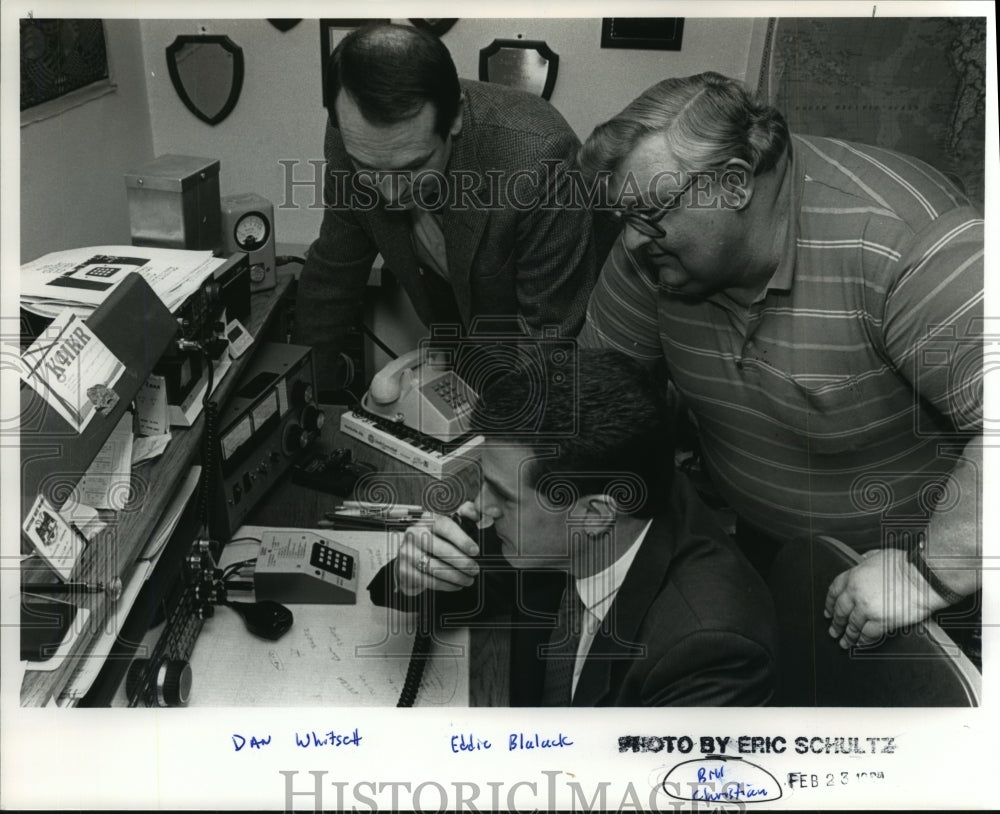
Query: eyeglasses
pixel 646 221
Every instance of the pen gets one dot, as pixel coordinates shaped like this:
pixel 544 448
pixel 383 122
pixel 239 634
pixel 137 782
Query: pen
pixel 65 588
pixel 334 521
pixel 394 513
pixel 364 504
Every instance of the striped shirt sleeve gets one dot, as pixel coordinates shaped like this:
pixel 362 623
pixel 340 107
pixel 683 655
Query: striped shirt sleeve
pixel 933 317
pixel 622 312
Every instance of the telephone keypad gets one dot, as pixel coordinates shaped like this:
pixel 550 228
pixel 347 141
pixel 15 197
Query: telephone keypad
pixel 332 560
pixel 451 392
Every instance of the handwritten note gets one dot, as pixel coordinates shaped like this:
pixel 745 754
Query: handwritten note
pixel 720 779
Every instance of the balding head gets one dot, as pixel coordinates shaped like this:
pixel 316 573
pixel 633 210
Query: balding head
pixel 391 72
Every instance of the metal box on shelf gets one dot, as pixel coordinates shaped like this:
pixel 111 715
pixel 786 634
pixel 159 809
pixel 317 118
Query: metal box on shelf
pixel 174 203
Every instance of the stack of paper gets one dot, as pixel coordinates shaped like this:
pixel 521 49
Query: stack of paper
pixel 78 280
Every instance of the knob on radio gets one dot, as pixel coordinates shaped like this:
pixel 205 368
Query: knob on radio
pixel 294 439
pixel 312 418
pixel 302 393
pixel 171 681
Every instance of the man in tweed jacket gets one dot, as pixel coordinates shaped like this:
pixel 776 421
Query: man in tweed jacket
pixel 487 233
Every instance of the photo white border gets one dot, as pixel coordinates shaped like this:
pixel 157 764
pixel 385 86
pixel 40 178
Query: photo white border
pixel 172 759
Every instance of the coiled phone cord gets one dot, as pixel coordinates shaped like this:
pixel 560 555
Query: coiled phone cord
pixel 208 462
pixel 420 654
pixel 210 409
pixel 419 657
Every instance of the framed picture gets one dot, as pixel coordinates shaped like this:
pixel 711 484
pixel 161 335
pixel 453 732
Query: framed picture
pixel 526 64
pixel 60 56
pixel 652 33
pixel 437 26
pixel 284 24
pixel 332 32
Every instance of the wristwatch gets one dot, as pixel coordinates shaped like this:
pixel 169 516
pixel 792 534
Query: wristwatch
pixel 915 556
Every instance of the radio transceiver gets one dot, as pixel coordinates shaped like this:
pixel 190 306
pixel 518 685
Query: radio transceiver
pixel 270 421
pixel 204 317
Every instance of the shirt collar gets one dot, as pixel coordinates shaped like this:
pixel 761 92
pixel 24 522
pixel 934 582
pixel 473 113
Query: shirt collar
pixel 781 280
pixel 598 591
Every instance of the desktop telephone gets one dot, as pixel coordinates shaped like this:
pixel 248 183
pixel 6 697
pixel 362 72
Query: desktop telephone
pixel 420 390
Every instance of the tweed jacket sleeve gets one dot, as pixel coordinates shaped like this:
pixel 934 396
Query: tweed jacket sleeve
pixel 332 282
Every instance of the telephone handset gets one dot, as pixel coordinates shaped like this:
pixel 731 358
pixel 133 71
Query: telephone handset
pixel 421 391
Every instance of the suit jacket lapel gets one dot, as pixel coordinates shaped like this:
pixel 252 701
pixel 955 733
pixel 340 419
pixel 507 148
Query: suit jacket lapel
pixel 393 236
pixel 616 639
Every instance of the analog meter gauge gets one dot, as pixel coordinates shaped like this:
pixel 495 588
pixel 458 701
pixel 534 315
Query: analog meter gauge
pixel 248 226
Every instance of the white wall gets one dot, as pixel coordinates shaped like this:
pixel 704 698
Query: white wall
pixel 280 113
pixel 73 164
pixel 594 83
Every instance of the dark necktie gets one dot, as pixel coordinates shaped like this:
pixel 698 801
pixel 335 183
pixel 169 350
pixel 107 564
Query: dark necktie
pixel 560 653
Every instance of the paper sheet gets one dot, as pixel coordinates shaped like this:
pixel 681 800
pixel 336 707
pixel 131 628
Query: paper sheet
pixel 83 277
pixel 107 482
pixel 85 519
pixel 55 661
pixel 171 515
pixel 334 655
pixel 89 665
pixel 151 406
pixel 145 448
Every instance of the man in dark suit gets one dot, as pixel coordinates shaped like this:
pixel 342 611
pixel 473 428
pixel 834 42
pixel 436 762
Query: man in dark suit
pixel 660 608
pixel 461 186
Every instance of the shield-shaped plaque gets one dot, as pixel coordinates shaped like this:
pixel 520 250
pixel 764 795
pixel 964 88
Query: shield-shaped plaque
pixel 526 64
pixel 207 73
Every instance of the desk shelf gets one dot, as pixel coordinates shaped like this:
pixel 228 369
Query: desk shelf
pixel 114 551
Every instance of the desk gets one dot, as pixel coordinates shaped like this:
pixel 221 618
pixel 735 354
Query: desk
pixel 333 655
pixel 292 505
pixel 231 667
pixel 286 505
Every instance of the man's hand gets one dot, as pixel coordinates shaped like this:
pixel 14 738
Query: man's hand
pixel 878 595
pixel 436 554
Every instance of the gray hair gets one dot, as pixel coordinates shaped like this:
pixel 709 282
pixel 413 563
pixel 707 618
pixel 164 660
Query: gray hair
pixel 706 120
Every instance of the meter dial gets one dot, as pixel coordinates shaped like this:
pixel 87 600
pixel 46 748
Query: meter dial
pixel 252 231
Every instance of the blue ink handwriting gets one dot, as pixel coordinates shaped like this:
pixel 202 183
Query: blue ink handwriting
pixel 520 740
pixel 460 744
pixel 239 741
pixel 331 738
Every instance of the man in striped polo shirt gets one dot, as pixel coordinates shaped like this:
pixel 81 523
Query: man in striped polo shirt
pixel 818 305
